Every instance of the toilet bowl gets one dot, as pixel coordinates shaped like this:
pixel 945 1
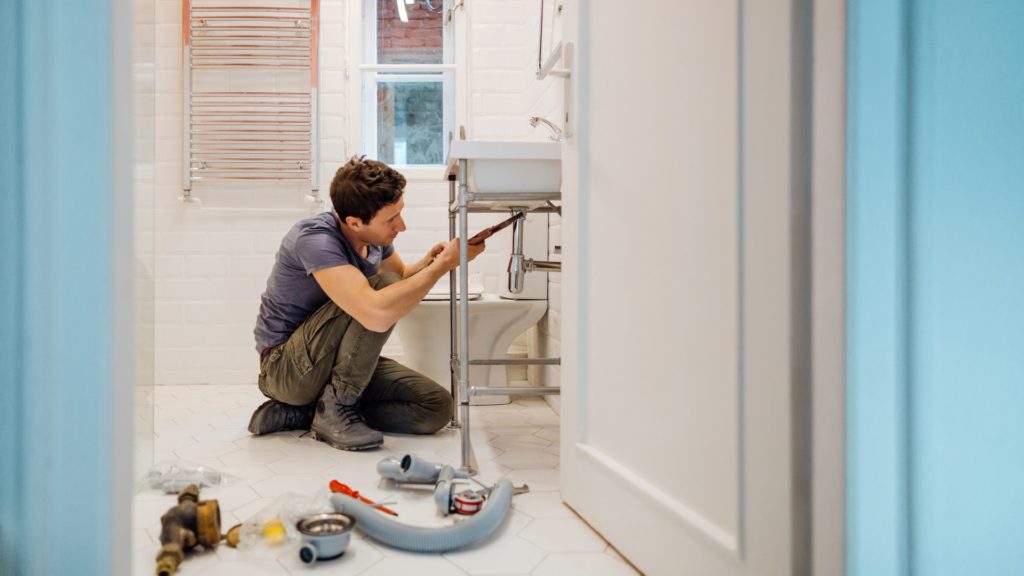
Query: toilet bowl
pixel 494 323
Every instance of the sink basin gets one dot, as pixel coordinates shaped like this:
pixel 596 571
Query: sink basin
pixel 495 166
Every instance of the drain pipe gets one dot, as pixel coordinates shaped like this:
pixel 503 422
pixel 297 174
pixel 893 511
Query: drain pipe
pixel 413 470
pixel 421 539
pixel 517 262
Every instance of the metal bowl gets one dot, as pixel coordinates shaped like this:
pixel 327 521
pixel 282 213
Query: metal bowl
pixel 324 536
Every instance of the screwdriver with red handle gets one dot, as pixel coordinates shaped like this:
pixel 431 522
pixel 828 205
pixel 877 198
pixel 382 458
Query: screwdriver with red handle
pixel 340 488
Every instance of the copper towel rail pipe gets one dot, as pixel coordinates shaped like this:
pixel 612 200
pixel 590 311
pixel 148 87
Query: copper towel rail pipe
pixel 247 8
pixel 263 134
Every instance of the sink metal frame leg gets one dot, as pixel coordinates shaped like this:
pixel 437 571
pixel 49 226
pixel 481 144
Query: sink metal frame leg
pixel 459 359
pixel 463 355
pixel 453 332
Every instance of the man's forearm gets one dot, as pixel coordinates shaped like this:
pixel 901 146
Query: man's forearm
pixel 396 300
pixel 412 269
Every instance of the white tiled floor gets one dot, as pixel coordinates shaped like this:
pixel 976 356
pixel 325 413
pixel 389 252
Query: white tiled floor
pixel 206 425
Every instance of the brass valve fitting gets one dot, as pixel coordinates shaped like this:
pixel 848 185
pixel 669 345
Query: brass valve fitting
pixel 188 524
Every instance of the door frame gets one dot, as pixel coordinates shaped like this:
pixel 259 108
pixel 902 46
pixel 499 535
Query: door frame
pixel 828 293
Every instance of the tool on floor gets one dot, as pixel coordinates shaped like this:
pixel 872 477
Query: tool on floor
pixel 192 522
pixel 339 488
pixel 324 536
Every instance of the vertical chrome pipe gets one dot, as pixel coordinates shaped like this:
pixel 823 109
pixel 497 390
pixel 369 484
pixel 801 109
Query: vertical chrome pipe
pixel 517 262
pixel 453 332
pixel 464 313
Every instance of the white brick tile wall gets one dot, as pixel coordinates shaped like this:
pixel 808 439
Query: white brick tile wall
pixel 199 266
pixel 256 266
pixel 211 265
pixel 169 313
pixel 170 266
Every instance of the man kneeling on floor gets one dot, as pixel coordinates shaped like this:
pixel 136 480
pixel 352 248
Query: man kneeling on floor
pixel 335 292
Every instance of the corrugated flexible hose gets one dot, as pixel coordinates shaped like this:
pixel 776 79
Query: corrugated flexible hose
pixel 421 539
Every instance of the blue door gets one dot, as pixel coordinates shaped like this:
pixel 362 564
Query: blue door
pixel 935 382
pixel 65 287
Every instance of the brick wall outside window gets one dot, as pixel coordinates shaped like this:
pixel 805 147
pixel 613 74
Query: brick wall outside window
pixel 418 41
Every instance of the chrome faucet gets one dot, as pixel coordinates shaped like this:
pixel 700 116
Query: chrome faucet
pixel 556 132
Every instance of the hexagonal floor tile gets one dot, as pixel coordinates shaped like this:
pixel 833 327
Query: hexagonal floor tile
pixel 509 555
pixel 542 505
pixel 420 565
pixel 537 479
pixel 523 458
pixel 283 483
pixel 302 464
pixel 563 535
pixel 583 564
pixel 206 450
pixel 519 441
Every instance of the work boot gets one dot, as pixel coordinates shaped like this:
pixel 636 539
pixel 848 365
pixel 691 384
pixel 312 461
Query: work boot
pixel 338 423
pixel 273 416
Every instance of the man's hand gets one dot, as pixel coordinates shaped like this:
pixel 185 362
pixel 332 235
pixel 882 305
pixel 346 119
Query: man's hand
pixel 449 254
pixel 433 252
pixel 476 249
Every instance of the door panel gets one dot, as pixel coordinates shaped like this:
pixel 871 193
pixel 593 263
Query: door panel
pixel 663 283
pixel 680 364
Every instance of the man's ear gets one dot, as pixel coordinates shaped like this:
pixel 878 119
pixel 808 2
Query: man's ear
pixel 353 222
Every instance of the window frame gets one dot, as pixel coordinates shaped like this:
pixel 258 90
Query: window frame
pixel 363 70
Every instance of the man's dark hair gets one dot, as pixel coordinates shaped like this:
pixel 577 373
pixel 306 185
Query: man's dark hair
pixel 362 187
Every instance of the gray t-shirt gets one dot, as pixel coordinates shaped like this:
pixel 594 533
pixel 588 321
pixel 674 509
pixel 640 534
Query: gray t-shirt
pixel 292 293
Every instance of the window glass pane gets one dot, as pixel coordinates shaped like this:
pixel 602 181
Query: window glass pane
pixel 410 122
pixel 417 39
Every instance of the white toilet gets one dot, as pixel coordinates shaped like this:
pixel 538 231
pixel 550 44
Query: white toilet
pixel 494 322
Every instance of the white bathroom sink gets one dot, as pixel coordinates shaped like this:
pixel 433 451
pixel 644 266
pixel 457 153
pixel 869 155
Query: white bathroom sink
pixel 496 166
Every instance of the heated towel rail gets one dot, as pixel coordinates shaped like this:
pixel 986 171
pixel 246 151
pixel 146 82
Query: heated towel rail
pixel 250 91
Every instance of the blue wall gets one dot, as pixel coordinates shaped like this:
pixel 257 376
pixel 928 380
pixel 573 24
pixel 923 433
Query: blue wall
pixel 58 500
pixel 935 285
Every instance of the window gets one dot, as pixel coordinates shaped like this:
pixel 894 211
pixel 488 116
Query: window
pixel 407 81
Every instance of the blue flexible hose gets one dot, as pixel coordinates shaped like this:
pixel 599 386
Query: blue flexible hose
pixel 421 539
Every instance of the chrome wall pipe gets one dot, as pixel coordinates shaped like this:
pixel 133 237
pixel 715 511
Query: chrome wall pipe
pixel 542 265
pixel 519 265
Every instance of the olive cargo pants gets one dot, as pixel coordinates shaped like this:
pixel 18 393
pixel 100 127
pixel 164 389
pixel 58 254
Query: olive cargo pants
pixel 331 348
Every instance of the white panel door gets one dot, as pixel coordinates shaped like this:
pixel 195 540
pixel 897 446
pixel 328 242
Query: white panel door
pixel 678 371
